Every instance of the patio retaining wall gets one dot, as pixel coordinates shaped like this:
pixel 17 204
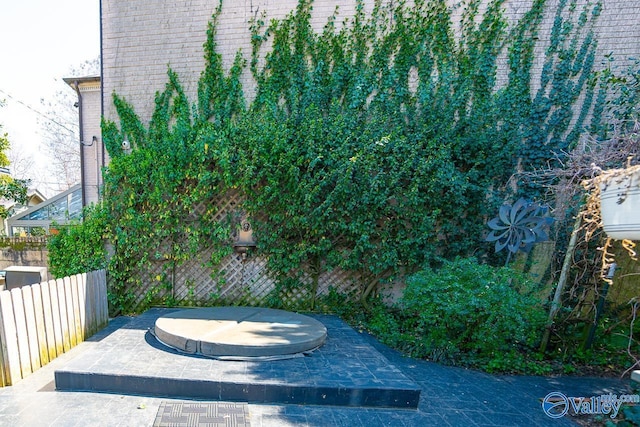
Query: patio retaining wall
pixel 24 251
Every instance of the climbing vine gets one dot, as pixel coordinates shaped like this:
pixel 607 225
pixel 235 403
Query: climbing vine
pixel 392 138
pixel 160 196
pixel 377 145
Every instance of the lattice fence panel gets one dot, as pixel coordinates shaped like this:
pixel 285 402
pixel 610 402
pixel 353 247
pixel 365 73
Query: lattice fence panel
pixel 345 282
pixel 299 293
pixel 233 281
pixel 155 281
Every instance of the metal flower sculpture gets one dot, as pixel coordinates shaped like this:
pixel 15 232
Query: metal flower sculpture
pixel 519 226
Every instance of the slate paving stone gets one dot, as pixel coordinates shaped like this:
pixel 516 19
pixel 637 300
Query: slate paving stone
pixel 457 418
pixel 287 420
pixel 449 395
pixel 333 369
pixel 345 420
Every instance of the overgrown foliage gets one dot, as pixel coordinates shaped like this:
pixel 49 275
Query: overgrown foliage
pixel 616 146
pixel 380 146
pixel 79 248
pixel 392 139
pixel 466 313
pixel 375 146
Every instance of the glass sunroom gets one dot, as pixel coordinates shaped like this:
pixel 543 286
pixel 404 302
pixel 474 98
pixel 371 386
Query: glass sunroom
pixel 37 220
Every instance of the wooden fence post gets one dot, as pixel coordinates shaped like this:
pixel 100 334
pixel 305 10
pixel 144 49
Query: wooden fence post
pixel 68 297
pixel 64 320
pixel 102 304
pixel 9 340
pixel 32 331
pixel 82 295
pixel 21 329
pixel 39 311
pixel 90 307
pixel 55 315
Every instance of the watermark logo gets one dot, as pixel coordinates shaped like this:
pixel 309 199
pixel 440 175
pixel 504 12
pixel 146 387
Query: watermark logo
pixel 557 405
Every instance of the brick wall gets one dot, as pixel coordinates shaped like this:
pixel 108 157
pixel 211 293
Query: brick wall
pixel 140 38
pixel 619 32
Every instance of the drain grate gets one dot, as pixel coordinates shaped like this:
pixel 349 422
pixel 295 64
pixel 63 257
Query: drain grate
pixel 202 414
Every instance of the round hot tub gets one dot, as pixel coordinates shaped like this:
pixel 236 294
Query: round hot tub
pixel 239 332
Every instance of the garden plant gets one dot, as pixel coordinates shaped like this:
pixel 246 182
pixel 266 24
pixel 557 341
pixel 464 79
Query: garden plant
pixel 379 146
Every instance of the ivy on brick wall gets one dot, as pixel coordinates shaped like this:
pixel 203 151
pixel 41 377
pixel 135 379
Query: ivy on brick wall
pixel 393 139
pixel 377 145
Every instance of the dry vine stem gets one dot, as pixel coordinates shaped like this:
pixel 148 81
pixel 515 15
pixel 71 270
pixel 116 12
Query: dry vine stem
pixel 592 215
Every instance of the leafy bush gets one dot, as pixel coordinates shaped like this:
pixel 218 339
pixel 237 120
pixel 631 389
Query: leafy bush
pixel 466 313
pixel 375 145
pixel 79 248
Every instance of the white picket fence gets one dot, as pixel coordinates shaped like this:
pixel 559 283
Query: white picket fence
pixel 42 321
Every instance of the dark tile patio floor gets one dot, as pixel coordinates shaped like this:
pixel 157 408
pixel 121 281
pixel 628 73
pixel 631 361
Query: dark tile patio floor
pixel 345 371
pixel 449 397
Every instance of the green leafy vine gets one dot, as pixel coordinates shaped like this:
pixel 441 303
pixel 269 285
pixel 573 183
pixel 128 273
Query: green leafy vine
pixel 377 145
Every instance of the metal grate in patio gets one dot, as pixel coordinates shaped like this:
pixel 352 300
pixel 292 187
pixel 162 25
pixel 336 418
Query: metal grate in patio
pixel 202 414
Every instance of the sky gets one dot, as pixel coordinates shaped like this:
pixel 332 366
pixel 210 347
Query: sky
pixel 40 42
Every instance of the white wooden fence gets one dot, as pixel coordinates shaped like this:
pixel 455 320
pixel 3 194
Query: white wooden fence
pixel 42 321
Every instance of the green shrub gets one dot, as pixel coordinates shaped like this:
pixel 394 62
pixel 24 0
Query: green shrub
pixel 375 145
pixel 469 314
pixel 79 248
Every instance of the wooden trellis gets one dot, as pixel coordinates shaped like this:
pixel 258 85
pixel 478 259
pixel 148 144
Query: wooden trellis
pixel 232 281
